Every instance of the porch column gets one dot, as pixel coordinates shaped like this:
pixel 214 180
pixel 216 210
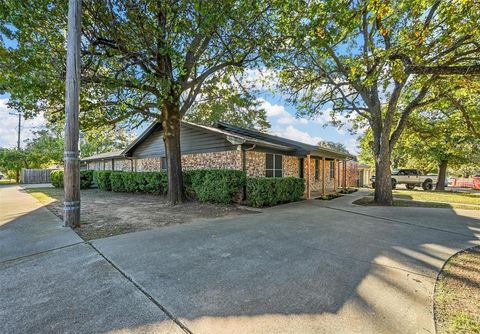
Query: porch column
pixel 345 174
pixel 323 176
pixel 307 184
pixel 335 179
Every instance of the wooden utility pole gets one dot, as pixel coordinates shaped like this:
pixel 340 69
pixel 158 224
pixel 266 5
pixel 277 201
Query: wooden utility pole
pixel 19 130
pixel 71 205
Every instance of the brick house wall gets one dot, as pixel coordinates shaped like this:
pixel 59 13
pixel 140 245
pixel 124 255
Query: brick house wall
pixel 290 166
pixel 225 159
pixel 255 163
pixel 148 164
pixel 123 165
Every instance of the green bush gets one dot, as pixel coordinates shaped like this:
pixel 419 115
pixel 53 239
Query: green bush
pixel 102 179
pixel 155 182
pixel 265 191
pixel 214 185
pixel 86 178
pixel 56 177
pixel 116 182
pixel 149 182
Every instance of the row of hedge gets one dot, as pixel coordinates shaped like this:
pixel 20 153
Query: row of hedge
pixel 268 191
pixel 146 182
pixel 86 178
pixel 208 185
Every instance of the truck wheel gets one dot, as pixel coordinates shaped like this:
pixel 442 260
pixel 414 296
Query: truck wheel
pixel 427 185
pixel 410 186
pixel 394 183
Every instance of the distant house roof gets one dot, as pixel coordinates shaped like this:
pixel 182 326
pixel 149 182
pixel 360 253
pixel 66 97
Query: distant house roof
pixel 104 156
pixel 237 136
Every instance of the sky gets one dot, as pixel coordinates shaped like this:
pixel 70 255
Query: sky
pixel 280 115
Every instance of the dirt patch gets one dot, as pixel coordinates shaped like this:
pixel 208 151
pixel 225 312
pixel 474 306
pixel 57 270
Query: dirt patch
pixel 457 294
pixel 106 214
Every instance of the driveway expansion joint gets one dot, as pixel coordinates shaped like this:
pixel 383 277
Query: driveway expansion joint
pixel 40 253
pixel 143 291
pixel 397 221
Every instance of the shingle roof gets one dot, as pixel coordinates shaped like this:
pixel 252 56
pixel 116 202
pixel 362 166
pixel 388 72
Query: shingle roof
pixel 234 133
pixel 107 155
pixel 297 146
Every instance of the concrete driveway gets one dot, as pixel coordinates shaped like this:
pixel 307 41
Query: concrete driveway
pixel 307 267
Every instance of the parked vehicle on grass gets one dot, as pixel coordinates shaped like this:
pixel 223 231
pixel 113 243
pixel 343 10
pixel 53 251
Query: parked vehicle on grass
pixel 411 178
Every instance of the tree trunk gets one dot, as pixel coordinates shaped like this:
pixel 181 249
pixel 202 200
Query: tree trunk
pixel 171 137
pixel 442 173
pixel 383 177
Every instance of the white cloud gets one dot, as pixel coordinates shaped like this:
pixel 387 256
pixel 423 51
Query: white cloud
pixel 351 145
pixel 277 113
pixel 293 133
pixel 9 126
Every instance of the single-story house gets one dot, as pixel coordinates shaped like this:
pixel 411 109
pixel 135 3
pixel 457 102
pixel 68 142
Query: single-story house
pixel 229 146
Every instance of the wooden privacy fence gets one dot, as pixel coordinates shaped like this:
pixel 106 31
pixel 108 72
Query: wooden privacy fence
pixel 35 175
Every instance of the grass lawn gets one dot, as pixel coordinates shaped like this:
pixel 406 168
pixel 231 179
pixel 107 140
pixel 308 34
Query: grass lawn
pixel 429 199
pixel 457 294
pixel 106 213
pixel 438 196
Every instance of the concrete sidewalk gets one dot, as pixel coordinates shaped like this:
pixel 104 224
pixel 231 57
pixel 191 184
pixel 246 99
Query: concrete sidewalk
pixel 26 227
pixel 53 282
pixel 298 268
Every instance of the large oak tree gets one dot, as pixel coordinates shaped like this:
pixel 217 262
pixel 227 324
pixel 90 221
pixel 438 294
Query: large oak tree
pixel 377 60
pixel 141 60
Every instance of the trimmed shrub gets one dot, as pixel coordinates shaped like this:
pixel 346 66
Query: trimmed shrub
pixel 56 177
pixel 102 179
pixel 116 181
pixel 214 185
pixel 155 182
pixel 266 191
pixel 149 182
pixel 86 178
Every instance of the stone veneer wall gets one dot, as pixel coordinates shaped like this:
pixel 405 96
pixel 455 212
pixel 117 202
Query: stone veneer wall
pixel 316 184
pixel 226 159
pixel 255 163
pixel 290 166
pixel 153 164
pixel 123 165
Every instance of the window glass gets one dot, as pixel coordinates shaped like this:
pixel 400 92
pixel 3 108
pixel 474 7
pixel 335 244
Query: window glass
pixel 300 168
pixel 273 165
pixel 317 169
pixel 332 169
pixel 269 161
pixel 278 161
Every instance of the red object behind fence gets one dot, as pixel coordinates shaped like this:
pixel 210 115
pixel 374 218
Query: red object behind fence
pixel 476 183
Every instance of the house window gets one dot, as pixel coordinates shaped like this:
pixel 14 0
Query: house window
pixel 300 168
pixel 273 166
pixel 317 169
pixel 163 163
pixel 332 169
